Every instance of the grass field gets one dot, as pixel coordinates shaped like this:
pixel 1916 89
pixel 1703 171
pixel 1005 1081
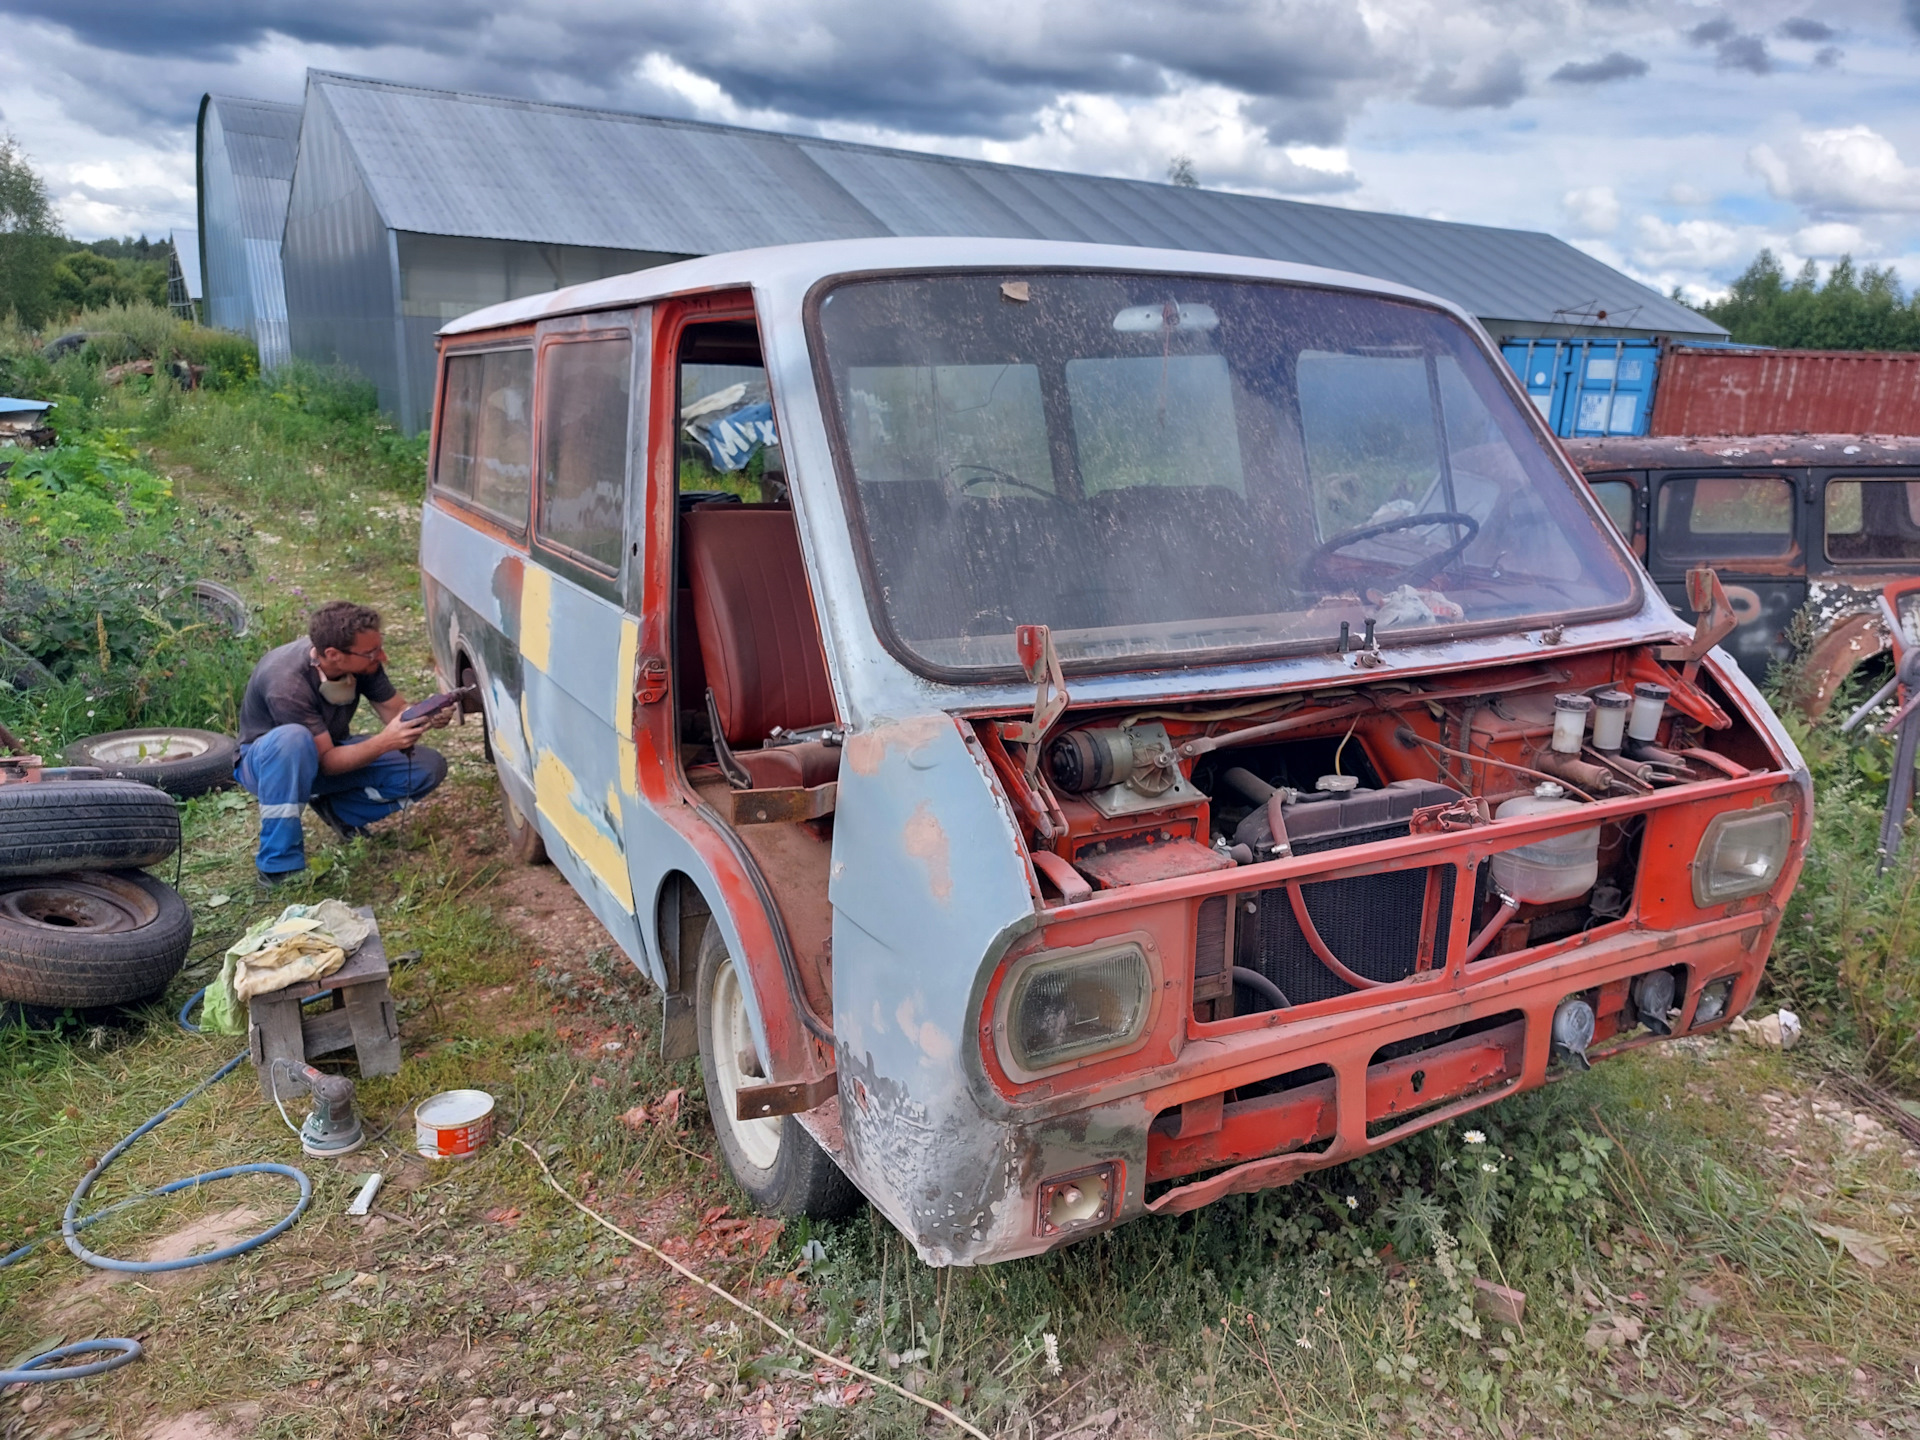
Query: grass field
pixel 1671 1217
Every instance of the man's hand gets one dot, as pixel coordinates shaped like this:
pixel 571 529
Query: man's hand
pixel 402 734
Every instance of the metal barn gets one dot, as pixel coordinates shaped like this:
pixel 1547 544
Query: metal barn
pixel 411 206
pixel 243 158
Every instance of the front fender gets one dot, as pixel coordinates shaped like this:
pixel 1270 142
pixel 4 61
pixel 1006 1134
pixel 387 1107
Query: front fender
pixel 928 885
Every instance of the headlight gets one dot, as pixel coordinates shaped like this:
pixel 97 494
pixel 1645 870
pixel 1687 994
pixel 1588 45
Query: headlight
pixel 1741 854
pixel 1063 1007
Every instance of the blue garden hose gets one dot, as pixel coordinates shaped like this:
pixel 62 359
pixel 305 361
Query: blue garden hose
pixel 200 994
pixel 72 1222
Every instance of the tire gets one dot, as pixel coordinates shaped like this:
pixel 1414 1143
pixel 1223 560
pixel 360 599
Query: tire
pixel 780 1166
pixel 87 938
pixel 180 761
pixel 61 825
pixel 222 605
pixel 524 843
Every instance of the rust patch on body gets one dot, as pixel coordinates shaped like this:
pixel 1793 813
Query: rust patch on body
pixel 925 839
pixel 865 751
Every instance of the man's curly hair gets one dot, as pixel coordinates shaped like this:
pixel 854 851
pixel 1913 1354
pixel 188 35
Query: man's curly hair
pixel 338 623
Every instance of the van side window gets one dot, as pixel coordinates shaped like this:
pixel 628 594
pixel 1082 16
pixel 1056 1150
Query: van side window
pixel 1616 498
pixel 586 391
pixel 1873 519
pixel 486 433
pixel 1716 517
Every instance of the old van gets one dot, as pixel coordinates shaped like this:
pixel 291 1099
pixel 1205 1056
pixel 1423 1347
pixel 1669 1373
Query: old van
pixel 1075 732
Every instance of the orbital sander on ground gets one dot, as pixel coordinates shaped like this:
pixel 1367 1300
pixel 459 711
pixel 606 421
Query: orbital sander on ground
pixel 332 1127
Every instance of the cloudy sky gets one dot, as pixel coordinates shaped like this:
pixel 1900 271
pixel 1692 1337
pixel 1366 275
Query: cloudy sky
pixel 1673 140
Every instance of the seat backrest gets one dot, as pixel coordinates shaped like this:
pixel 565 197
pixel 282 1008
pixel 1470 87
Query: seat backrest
pixel 751 607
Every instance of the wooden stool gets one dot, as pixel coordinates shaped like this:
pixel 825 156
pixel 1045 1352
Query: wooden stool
pixel 361 1017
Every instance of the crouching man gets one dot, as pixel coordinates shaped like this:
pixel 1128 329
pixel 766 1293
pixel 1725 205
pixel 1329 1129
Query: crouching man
pixel 297 747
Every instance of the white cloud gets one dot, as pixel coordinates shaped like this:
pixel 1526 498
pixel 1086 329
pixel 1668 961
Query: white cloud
pixel 1210 124
pixel 1692 245
pixel 1681 193
pixel 1853 170
pixel 1594 210
pixel 1832 239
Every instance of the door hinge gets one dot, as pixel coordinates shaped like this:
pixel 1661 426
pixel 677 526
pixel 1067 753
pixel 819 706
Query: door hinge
pixel 650 685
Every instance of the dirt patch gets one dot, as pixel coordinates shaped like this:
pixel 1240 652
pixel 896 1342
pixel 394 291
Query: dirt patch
pixel 209 1232
pixel 228 1423
pixel 537 901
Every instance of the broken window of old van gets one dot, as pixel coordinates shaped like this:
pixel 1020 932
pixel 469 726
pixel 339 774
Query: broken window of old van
pixel 486 433
pixel 586 387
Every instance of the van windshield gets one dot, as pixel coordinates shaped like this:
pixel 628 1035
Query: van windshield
pixel 1164 468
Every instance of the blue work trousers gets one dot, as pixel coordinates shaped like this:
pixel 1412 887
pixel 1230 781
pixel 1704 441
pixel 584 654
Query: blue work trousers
pixel 282 770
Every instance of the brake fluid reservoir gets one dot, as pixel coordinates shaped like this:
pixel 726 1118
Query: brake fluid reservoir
pixel 1562 867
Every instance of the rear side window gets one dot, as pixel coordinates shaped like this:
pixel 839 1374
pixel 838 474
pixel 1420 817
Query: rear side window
pixel 1714 517
pixel 486 433
pixel 585 389
pixel 1873 519
pixel 1616 498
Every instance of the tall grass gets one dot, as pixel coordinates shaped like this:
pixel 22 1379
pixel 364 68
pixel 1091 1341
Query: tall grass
pixel 99 549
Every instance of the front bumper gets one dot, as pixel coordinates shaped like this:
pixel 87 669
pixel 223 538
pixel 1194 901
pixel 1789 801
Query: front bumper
pixel 1365 1103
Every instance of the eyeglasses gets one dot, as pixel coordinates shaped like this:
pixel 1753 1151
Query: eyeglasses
pixel 378 650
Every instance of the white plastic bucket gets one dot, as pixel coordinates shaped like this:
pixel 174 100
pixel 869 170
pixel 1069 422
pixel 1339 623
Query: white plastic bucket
pixel 453 1124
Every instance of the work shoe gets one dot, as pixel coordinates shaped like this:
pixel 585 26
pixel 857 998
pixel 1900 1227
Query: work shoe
pixel 265 880
pixel 323 807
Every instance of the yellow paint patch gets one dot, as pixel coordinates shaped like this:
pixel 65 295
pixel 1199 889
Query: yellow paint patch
pixel 536 618
pixel 629 759
pixel 557 796
pixel 624 676
pixel 526 723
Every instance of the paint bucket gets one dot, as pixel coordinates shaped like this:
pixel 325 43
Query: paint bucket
pixel 453 1124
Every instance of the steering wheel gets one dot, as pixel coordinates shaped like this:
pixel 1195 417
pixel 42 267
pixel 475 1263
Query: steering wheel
pixel 1312 571
pixel 989 476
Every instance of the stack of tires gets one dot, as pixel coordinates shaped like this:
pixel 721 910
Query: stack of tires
pixel 81 924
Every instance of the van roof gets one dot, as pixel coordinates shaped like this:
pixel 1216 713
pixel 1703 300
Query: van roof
pixel 793 268
pixel 1740 452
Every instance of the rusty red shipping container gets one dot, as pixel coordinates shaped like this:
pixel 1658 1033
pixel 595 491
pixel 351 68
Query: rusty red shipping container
pixel 1772 392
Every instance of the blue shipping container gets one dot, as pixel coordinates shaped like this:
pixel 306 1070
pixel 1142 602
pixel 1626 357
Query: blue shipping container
pixel 1588 387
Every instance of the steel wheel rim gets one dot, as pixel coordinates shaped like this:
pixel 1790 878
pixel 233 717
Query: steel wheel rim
pixel 81 904
pixel 141 749
pixel 733 1051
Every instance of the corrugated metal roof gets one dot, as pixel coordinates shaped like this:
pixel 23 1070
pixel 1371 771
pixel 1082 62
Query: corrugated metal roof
pixel 262 138
pixel 445 163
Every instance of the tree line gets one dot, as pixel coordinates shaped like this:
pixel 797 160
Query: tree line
pixel 1853 309
pixel 45 276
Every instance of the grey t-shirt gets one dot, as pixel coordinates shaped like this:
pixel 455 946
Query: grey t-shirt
pixel 284 689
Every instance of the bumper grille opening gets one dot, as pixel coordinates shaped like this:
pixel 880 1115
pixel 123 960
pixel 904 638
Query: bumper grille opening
pixel 1412 1076
pixel 1279 1116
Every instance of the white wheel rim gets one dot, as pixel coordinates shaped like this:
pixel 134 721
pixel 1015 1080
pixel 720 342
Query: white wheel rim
pixel 735 1063
pixel 150 749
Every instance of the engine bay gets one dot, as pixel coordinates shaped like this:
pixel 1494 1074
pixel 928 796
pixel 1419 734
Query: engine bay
pixel 1116 800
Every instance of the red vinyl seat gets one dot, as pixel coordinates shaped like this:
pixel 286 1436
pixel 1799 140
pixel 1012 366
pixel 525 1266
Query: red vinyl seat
pixel 759 643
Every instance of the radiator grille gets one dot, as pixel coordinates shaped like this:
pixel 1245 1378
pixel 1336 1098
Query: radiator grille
pixel 1371 923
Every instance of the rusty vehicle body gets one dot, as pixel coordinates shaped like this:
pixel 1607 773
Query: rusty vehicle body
pixel 1080 784
pixel 1727 390
pixel 1791 522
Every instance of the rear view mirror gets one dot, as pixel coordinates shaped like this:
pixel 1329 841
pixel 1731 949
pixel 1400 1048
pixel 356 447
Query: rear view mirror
pixel 1151 319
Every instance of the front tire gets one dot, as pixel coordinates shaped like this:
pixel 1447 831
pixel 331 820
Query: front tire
pixel 780 1166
